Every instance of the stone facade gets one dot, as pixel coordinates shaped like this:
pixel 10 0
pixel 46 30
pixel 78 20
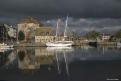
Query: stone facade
pixel 43 39
pixel 26 25
pixel 43 35
pixel 34 32
pixel 43 31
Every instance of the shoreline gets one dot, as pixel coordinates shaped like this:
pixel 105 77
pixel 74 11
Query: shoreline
pixel 76 44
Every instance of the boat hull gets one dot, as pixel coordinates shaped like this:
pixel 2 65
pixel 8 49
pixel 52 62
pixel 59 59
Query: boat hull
pixel 5 46
pixel 59 44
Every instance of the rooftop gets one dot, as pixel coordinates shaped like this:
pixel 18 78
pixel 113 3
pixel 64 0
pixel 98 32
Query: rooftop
pixel 28 20
pixel 43 30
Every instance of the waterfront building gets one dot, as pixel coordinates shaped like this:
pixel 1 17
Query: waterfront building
pixel 105 37
pixel 26 25
pixel 43 35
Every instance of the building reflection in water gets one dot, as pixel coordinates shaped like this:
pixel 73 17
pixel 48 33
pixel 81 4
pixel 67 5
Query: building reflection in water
pixel 6 57
pixel 60 58
pixel 64 52
pixel 34 58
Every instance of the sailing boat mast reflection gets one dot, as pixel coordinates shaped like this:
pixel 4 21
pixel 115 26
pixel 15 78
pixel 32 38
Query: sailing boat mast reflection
pixel 57 60
pixel 67 69
pixel 64 51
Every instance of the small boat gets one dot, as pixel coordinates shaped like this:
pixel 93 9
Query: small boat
pixel 92 43
pixel 63 43
pixel 5 46
pixel 118 44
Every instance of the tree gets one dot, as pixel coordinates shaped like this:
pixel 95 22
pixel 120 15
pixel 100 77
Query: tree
pixel 92 35
pixel 21 36
pixel 31 35
pixel 118 34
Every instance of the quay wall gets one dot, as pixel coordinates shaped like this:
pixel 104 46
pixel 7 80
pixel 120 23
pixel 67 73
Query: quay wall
pixel 75 44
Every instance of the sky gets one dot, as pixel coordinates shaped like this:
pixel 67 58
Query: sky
pixel 83 13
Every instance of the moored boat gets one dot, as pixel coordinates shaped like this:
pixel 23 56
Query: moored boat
pixel 118 44
pixel 5 46
pixel 63 43
pixel 60 43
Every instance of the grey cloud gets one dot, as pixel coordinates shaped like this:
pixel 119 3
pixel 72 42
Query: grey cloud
pixel 82 25
pixel 82 8
pixel 85 14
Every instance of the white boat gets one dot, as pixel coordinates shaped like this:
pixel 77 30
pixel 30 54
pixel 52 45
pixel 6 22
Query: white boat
pixel 60 43
pixel 118 44
pixel 63 43
pixel 5 46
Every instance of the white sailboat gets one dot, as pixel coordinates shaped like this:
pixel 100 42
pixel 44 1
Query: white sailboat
pixel 62 43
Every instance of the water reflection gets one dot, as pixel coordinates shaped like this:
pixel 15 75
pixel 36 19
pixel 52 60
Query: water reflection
pixel 34 58
pixel 58 58
pixel 30 58
pixel 6 57
pixel 63 51
pixel 60 63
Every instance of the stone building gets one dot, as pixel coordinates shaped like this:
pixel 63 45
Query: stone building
pixel 34 31
pixel 29 58
pixel 43 35
pixel 26 25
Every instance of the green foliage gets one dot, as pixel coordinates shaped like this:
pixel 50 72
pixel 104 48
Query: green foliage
pixel 31 34
pixel 118 34
pixel 92 35
pixel 21 36
pixel 112 39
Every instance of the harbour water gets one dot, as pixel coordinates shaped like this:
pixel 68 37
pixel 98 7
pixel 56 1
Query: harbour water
pixel 83 63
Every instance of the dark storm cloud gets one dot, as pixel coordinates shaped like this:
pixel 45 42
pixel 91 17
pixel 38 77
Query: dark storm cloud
pixel 82 8
pixel 84 13
pixel 84 25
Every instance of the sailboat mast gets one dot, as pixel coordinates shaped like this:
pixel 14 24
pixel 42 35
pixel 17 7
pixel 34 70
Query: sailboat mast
pixel 66 25
pixel 3 34
pixel 57 28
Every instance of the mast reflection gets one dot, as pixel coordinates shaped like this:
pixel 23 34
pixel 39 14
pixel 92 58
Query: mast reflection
pixel 35 58
pixel 64 51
